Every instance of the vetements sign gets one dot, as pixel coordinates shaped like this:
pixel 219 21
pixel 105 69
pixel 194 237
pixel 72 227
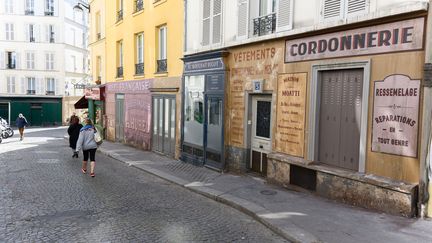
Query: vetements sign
pixel 291 114
pixel 395 115
pixel 398 36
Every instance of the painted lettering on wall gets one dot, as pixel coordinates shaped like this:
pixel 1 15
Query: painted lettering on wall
pixel 255 55
pixel 398 36
pixel 395 117
pixel 290 111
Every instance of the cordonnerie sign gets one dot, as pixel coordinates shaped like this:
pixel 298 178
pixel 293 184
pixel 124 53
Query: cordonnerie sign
pixel 398 36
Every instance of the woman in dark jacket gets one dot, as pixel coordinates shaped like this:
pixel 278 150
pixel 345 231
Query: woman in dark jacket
pixel 74 131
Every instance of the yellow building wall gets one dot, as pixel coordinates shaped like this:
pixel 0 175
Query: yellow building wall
pixel 165 12
pixel 97 47
pixel 244 69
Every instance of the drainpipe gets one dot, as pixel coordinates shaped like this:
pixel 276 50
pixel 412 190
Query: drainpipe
pixel 425 190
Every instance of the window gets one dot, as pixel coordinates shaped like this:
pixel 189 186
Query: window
pixel 139 5
pixel 119 10
pixel 211 22
pixel 50 33
pixel 139 65
pixel 342 9
pixel 49 8
pixel 267 7
pixel 31 33
pixel 30 60
pixel 9 6
pixel 31 85
pixel 162 52
pixel 29 7
pixel 49 61
pixel 98 26
pixel 9 31
pixel 50 86
pixel 10 85
pixel 11 60
pixel 99 68
pixel 119 59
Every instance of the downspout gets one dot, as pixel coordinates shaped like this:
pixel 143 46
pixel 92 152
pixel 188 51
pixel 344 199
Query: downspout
pixel 425 190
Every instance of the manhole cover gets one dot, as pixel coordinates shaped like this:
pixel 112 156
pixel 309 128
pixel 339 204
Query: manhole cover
pixel 268 192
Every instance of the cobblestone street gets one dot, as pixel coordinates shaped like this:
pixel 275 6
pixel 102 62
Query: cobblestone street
pixel 45 197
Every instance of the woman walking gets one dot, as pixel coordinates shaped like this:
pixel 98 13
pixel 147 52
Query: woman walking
pixel 21 123
pixel 74 131
pixel 86 142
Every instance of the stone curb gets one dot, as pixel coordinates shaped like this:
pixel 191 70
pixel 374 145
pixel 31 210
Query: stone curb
pixel 292 233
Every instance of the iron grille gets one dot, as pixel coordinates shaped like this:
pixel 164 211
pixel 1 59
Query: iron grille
pixel 265 25
pixel 49 13
pixel 139 68
pixel 50 93
pixel 119 72
pixel 162 65
pixel 31 91
pixel 139 5
pixel 119 15
pixel 32 39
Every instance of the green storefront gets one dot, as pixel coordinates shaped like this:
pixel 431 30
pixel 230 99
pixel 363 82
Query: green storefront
pixel 39 111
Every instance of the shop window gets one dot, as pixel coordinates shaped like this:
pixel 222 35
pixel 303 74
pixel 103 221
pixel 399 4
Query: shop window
pixel 194 110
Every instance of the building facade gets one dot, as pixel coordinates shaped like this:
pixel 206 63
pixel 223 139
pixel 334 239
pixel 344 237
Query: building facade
pixel 144 40
pixel 324 95
pixel 43 53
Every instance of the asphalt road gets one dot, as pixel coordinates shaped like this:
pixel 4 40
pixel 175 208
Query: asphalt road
pixel 44 197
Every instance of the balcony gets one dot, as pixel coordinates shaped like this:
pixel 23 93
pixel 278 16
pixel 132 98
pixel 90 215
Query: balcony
pixel 31 92
pixel 119 72
pixel 29 12
pixel 49 13
pixel 32 39
pixel 99 36
pixel 50 92
pixel 139 5
pixel 11 66
pixel 162 66
pixel 264 25
pixel 119 15
pixel 139 68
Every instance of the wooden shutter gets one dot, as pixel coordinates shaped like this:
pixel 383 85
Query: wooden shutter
pixel 355 7
pixel 242 18
pixel 18 60
pixel 206 23
pixel 284 17
pixel 332 9
pixel 217 21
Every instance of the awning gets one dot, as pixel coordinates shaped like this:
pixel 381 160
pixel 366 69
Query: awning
pixel 81 103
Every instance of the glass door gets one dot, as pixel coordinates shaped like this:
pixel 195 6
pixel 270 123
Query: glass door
pixel 214 131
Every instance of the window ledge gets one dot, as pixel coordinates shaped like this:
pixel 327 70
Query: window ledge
pixel 119 22
pixel 158 2
pixel 138 12
pixel 161 74
pixel 119 78
pixel 139 76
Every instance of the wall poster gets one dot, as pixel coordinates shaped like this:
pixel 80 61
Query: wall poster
pixel 395 115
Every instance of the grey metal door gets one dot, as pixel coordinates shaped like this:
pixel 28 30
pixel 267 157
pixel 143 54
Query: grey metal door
pixel 164 120
pixel 119 117
pixel 340 116
pixel 213 149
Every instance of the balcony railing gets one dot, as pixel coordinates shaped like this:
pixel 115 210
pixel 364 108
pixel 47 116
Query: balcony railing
pixel 11 66
pixel 49 13
pixel 139 5
pixel 32 39
pixel 139 68
pixel 31 92
pixel 119 72
pixel 99 36
pixel 119 15
pixel 52 40
pixel 29 12
pixel 50 92
pixel 265 25
pixel 162 66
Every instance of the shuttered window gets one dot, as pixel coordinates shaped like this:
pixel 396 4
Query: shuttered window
pixel 211 22
pixel 243 18
pixel 284 18
pixel 342 9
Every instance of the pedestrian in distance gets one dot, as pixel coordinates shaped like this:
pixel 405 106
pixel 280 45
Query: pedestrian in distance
pixel 21 123
pixel 74 132
pixel 86 142
pixel 72 118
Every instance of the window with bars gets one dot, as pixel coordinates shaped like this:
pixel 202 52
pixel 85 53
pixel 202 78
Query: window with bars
pixel 10 31
pixel 49 8
pixel 139 64
pixel 162 50
pixel 31 85
pixel 120 59
pixel 342 9
pixel 50 86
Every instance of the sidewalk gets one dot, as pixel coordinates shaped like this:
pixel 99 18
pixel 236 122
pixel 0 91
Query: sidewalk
pixel 298 216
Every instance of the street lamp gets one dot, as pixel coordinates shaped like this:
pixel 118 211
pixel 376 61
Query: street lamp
pixel 79 7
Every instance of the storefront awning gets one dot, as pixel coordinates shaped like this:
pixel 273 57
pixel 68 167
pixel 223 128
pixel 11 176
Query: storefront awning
pixel 81 103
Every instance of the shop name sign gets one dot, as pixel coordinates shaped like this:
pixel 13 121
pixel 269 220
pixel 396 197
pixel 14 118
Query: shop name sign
pixel 398 36
pixel 205 65
pixel 92 93
pixel 395 115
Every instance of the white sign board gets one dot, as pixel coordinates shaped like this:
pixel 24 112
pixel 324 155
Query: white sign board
pixel 395 115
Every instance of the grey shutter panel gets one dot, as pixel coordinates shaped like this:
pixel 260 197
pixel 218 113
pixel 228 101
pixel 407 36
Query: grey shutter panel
pixel 26 32
pixel 18 60
pixel 332 9
pixel 217 21
pixel 57 87
pixel 206 23
pixel 23 86
pixel 284 17
pixel 242 18
pixel 39 86
pixel 356 6
pixel 3 58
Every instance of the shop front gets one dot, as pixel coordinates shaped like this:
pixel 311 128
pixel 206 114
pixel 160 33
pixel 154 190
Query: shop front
pixel 128 113
pixel 337 113
pixel 203 110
